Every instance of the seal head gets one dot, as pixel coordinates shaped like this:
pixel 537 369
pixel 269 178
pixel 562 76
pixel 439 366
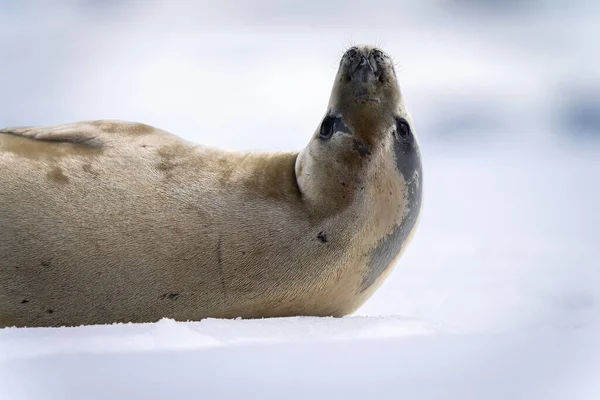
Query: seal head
pixel 366 149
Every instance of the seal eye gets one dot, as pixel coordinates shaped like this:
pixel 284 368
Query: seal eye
pixel 402 129
pixel 327 128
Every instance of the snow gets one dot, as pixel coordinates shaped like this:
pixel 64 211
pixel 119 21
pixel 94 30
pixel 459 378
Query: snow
pixel 353 357
pixel 167 334
pixel 498 295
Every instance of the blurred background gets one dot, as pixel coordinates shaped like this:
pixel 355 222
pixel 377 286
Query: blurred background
pixel 505 96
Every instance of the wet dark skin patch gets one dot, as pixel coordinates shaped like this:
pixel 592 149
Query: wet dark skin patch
pixel 363 150
pixel 332 125
pixel 340 126
pixel 408 163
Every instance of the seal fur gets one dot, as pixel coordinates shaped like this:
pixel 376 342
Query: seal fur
pixel 114 221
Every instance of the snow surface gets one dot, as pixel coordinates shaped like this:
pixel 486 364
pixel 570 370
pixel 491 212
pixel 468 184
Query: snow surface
pixel 297 358
pixel 498 295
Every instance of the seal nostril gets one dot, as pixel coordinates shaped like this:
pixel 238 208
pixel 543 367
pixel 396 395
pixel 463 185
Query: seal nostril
pixel 351 53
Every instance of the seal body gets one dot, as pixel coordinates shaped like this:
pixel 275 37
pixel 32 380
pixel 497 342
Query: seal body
pixel 114 221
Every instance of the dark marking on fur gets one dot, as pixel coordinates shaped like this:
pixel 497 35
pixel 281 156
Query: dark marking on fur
pixel 50 311
pixel 172 157
pixel 170 296
pixel 340 126
pixel 322 236
pixel 408 163
pixel 363 96
pixel 87 168
pixel 220 266
pixel 166 163
pixel 24 301
pixel 363 150
pixel 46 263
pixel 56 175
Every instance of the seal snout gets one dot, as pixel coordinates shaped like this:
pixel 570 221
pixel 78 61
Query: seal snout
pixel 364 71
pixel 365 64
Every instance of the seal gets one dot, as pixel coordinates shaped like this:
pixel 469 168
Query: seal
pixel 114 221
